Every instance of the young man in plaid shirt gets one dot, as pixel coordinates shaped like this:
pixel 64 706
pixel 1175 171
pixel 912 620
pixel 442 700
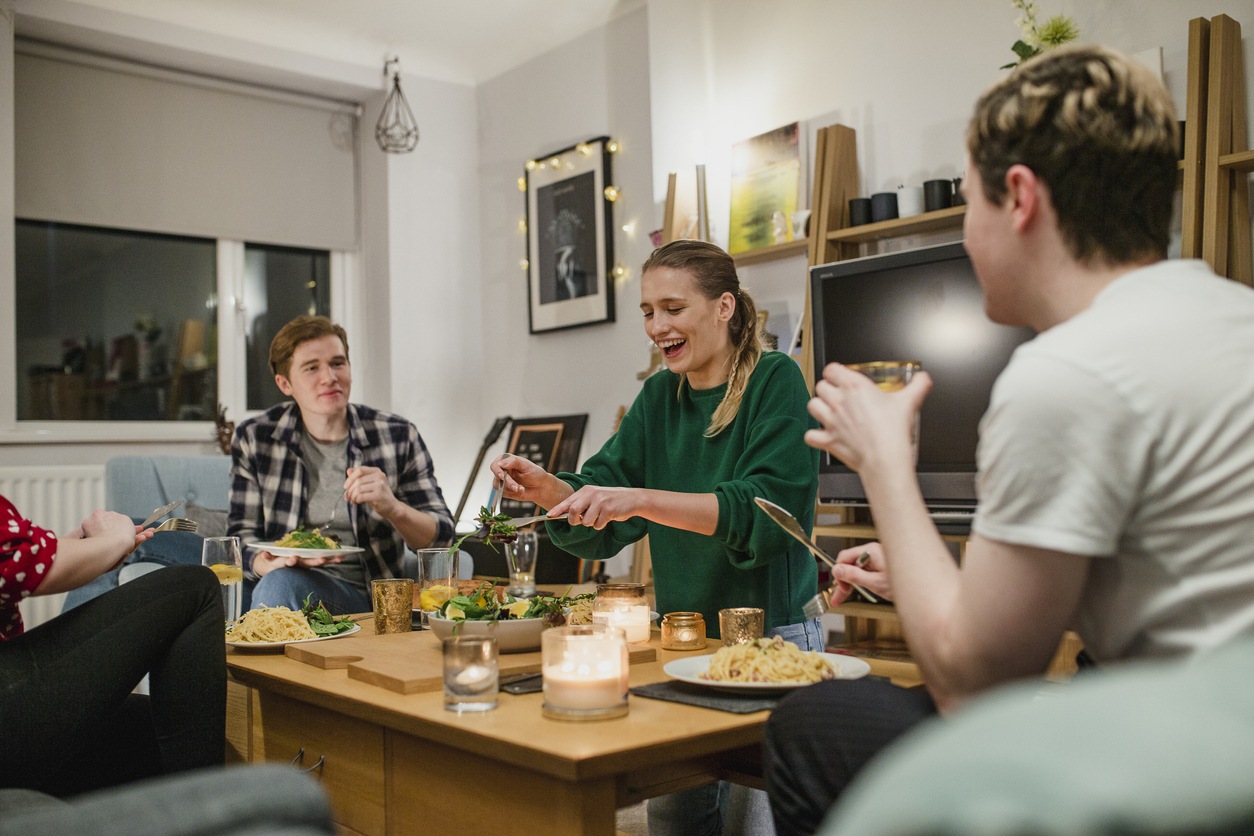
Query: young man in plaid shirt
pixel 361 475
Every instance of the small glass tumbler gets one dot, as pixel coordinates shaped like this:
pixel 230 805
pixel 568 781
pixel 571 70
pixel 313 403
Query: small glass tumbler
pixel 472 673
pixel 222 555
pixel 740 625
pixel 683 631
pixel 393 605
pixel 521 557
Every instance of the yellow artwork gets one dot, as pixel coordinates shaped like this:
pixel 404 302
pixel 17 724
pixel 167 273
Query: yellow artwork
pixel 765 179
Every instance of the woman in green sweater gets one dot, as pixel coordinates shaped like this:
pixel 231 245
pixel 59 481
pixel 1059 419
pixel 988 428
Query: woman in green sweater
pixel 723 424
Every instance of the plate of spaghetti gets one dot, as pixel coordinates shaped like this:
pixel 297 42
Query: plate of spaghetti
pixel 292 546
pixel 274 628
pixel 769 664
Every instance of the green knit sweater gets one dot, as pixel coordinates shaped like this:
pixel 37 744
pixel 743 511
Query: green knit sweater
pixel 749 561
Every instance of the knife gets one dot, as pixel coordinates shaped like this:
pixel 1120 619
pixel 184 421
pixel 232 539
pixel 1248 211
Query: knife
pixel 160 512
pixel 521 521
pixel 789 523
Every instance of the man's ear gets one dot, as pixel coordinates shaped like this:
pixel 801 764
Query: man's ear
pixel 1023 195
pixel 284 384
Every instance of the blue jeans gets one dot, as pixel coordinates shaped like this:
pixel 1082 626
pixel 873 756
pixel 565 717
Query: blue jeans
pixel 289 586
pixel 703 811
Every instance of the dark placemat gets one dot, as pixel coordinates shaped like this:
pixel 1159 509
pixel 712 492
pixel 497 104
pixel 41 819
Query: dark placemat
pixel 699 695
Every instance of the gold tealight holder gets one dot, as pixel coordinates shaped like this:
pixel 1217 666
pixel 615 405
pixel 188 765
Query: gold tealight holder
pixel 740 625
pixel 393 605
pixel 683 631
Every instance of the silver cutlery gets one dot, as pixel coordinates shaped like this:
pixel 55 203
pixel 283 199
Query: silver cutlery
pixel 160 512
pixel 178 524
pixel 789 523
pixel 819 604
pixel 494 500
pixel 519 522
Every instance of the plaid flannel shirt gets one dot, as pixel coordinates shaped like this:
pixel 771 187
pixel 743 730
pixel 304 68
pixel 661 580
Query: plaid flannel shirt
pixel 268 481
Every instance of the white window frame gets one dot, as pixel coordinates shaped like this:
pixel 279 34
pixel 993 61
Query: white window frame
pixel 232 368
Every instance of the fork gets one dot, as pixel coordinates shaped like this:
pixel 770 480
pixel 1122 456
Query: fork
pixel 494 501
pixel 178 524
pixel 819 604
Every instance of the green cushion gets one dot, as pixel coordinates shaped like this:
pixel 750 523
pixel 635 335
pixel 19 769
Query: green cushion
pixel 1154 748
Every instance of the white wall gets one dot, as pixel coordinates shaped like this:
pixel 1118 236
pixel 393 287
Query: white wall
pixel 595 85
pixel 903 73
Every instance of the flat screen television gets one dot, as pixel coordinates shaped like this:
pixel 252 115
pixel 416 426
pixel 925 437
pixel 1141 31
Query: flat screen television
pixel 926 305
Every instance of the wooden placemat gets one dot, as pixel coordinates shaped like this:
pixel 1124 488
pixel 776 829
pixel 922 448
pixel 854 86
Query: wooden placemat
pixel 411 663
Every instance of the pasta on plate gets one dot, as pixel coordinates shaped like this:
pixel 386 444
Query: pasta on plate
pixel 270 624
pixel 768 660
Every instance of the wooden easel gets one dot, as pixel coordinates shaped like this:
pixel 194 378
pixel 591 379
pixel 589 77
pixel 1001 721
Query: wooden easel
pixel 1217 157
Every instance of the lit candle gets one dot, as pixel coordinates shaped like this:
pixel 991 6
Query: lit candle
pixel 632 619
pixel 585 672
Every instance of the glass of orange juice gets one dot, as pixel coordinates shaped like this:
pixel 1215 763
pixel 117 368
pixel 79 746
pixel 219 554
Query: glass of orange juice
pixel 890 376
pixel 222 555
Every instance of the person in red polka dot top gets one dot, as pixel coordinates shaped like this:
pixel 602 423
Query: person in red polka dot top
pixel 70 721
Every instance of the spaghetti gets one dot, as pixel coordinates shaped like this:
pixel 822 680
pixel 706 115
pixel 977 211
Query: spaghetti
pixel 768 660
pixel 270 624
pixel 580 611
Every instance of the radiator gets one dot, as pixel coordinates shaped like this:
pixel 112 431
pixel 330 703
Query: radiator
pixel 56 497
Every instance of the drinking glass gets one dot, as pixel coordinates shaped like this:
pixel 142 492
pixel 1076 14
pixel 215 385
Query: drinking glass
pixel 222 555
pixel 521 556
pixel 437 578
pixel 890 376
pixel 471 673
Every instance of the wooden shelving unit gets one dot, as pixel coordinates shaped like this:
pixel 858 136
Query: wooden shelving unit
pixel 772 252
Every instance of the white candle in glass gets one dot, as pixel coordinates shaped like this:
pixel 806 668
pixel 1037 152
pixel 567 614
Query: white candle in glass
pixel 584 669
pixel 631 619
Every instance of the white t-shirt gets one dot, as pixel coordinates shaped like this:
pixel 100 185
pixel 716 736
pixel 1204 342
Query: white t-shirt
pixel 1126 434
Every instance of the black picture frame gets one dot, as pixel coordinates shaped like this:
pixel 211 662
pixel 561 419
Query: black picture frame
pixel 570 239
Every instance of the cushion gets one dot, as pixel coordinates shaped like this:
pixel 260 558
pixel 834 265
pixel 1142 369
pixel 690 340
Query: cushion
pixel 211 522
pixel 1153 748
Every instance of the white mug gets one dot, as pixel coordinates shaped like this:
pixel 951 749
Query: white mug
pixel 909 201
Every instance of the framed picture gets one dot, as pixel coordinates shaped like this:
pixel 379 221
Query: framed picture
pixel 765 189
pixel 570 238
pixel 553 443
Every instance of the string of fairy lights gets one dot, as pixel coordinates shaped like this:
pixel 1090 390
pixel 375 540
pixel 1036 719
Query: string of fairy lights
pixel 555 163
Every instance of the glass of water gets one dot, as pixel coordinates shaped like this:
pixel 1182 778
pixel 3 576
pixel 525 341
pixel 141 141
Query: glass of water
pixel 521 556
pixel 471 673
pixel 222 555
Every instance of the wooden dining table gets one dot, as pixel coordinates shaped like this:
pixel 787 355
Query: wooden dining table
pixel 366 714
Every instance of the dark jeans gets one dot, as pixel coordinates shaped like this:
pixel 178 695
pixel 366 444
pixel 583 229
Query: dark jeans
pixel 819 738
pixel 68 720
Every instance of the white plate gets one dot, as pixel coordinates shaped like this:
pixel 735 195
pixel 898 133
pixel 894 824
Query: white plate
pixel 264 646
pixel 285 551
pixel 690 668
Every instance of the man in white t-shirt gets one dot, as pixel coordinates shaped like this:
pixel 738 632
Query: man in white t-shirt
pixel 1116 459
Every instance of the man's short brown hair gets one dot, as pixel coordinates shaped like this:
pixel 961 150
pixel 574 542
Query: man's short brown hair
pixel 1099 130
pixel 302 329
